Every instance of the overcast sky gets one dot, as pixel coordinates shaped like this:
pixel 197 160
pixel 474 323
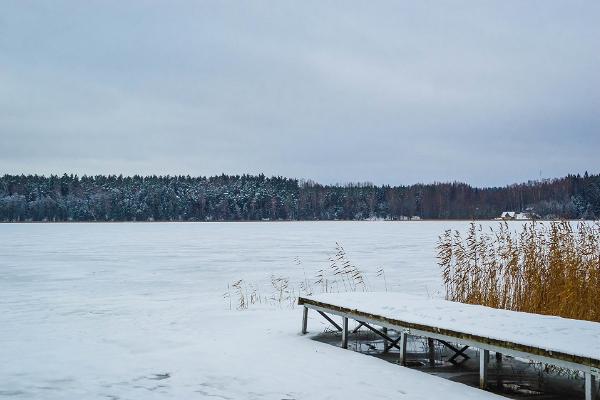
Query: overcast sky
pixel 394 92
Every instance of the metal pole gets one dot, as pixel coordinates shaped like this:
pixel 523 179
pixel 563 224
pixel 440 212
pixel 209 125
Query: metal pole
pixel 590 386
pixel 498 357
pixel 357 327
pixel 431 352
pixel 345 333
pixel 402 343
pixel 499 378
pixel 385 342
pixel 304 320
pixel 332 322
pixel 484 359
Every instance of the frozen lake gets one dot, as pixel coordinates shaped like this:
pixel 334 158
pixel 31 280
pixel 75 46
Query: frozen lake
pixel 151 258
pixel 136 310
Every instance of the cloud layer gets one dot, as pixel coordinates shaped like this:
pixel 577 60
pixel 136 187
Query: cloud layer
pixel 487 92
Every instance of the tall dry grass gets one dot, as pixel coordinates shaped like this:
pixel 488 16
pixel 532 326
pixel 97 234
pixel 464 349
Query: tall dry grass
pixel 545 268
pixel 339 275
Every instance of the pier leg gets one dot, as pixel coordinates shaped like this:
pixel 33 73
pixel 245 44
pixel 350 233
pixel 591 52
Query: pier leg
pixel 431 346
pixel 484 359
pixel 499 378
pixel 402 344
pixel 385 342
pixel 345 333
pixel 304 320
pixel 590 386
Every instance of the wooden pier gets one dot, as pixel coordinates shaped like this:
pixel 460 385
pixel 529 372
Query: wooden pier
pixel 557 341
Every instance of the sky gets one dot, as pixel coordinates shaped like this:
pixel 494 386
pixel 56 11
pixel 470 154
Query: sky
pixel 389 92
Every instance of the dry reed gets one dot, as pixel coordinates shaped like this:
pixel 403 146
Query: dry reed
pixel 340 275
pixel 551 269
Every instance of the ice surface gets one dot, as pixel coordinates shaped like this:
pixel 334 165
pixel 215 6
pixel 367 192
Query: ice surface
pixel 136 311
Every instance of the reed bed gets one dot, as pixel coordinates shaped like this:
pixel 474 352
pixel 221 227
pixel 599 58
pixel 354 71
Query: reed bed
pixel 339 275
pixel 545 268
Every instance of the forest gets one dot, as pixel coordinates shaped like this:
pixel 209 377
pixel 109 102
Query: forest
pixel 257 197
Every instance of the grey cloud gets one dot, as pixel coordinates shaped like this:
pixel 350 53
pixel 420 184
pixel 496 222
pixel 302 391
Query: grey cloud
pixel 394 92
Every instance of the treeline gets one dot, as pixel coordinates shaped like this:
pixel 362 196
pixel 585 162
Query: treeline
pixel 251 198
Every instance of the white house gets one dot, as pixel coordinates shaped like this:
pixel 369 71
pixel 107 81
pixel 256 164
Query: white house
pixel 508 215
pixel 512 215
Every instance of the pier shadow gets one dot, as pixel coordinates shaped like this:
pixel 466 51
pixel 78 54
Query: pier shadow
pixel 507 376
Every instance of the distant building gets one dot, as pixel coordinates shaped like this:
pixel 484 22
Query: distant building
pixel 516 216
pixel 507 215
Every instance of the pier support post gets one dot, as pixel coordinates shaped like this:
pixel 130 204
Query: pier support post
pixel 499 378
pixel 590 386
pixel 484 359
pixel 402 343
pixel 431 346
pixel 345 333
pixel 304 320
pixel 385 342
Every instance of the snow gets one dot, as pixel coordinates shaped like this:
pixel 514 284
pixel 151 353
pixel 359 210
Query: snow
pixel 557 334
pixel 136 311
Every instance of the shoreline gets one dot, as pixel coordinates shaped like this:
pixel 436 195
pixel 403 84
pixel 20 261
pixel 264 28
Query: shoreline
pixel 290 221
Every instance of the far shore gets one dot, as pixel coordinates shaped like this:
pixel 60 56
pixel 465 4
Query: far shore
pixel 294 220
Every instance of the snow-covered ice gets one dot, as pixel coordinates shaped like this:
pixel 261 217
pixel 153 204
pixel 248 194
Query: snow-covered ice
pixel 136 311
pixel 569 336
